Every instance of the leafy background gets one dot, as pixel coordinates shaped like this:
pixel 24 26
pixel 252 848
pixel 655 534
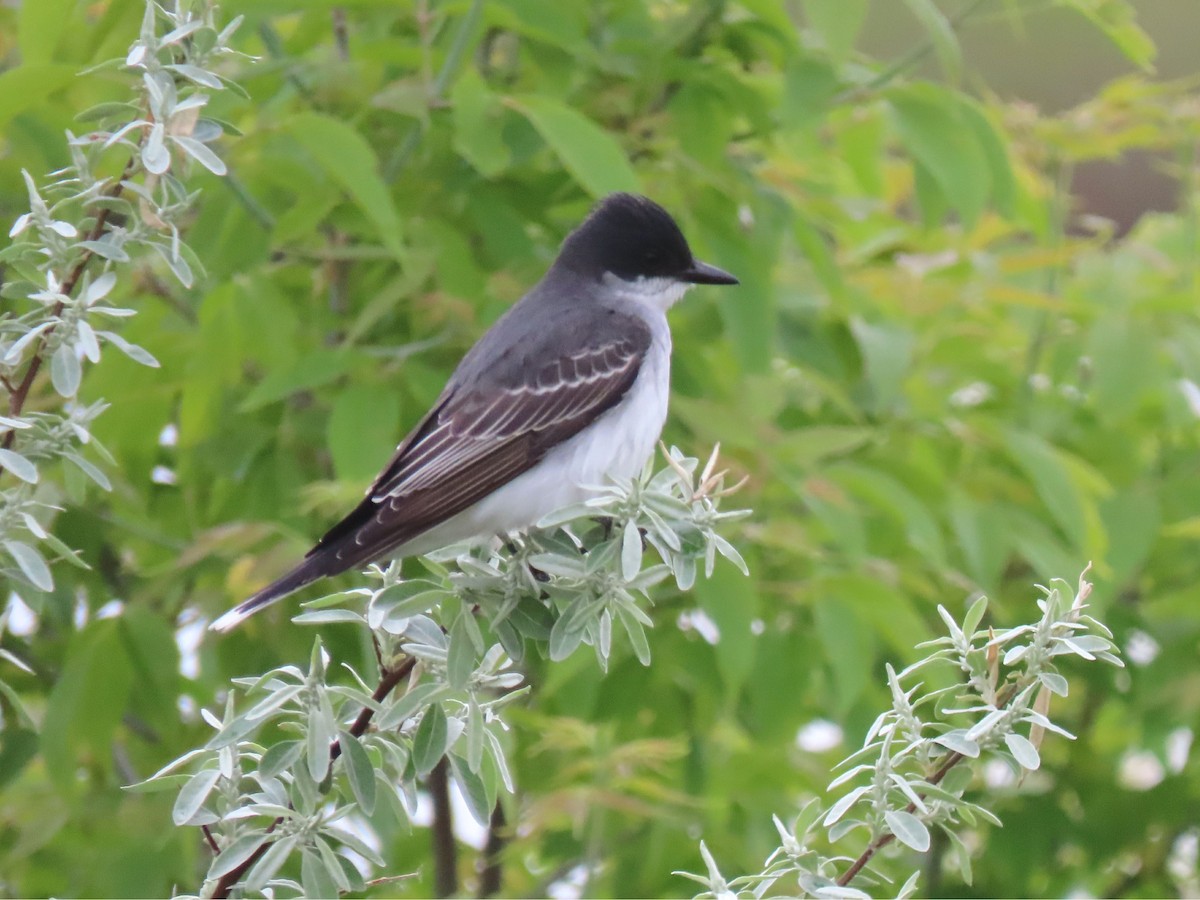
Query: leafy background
pixel 943 372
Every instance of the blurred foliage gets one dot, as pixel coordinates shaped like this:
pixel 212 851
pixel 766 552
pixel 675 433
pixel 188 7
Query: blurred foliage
pixel 940 380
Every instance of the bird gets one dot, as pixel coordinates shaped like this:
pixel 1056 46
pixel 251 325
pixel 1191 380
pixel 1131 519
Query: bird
pixel 567 390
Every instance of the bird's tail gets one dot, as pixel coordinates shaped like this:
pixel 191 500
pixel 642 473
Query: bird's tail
pixel 306 573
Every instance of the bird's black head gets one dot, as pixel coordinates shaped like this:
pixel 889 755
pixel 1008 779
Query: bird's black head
pixel 633 237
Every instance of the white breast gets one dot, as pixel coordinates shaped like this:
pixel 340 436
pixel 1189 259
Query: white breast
pixel 616 445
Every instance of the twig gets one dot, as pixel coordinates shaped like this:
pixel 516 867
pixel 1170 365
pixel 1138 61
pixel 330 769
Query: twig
pixel 212 841
pixel 16 400
pixel 907 61
pixel 437 89
pixel 497 838
pixel 445 851
pixel 387 683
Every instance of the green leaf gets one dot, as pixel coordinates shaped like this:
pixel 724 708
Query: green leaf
pixel 1116 18
pixel 363 429
pixel 431 740
pixel 887 351
pixel 838 22
pixel 1051 477
pixel 314 370
pixel 478 117
pixel 592 156
pixel 732 602
pixel 941 34
pixel 931 126
pixel 350 162
pixel 40 26
pixel 28 85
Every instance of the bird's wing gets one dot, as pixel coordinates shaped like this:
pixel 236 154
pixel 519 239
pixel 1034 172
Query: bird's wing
pixel 478 438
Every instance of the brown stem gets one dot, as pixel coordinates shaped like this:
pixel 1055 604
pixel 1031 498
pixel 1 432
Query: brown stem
pixel 212 841
pixel 445 851
pixel 16 400
pixel 884 839
pixel 387 683
pixel 489 877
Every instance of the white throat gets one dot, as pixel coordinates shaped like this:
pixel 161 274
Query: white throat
pixel 657 293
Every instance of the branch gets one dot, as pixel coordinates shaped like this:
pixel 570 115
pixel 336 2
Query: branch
pixel 884 839
pixel 445 852
pixel 16 402
pixel 390 679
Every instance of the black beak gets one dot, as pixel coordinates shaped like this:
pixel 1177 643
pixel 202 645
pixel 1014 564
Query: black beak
pixel 703 273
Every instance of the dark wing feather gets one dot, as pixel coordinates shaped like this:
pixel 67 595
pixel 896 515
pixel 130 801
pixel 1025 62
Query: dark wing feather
pixel 477 438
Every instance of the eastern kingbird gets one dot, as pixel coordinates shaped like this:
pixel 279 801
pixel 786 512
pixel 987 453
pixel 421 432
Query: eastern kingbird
pixel 567 389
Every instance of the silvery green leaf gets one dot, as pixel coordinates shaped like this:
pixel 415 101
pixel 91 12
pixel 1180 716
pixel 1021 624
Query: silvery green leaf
pixel 179 266
pixel 100 288
pixel 974 615
pixel 604 645
pixel 328 616
pixel 460 658
pixel 564 640
pixel 637 635
pixel 179 33
pixel 354 842
pixel 685 573
pixel 30 562
pixel 955 632
pixel 20 466
pixel 474 791
pixel 1013 655
pixel 556 564
pixel 731 553
pixel 133 351
pixel 317 880
pixel 65 371
pixel 155 156
pixel 838 892
pixel 475 738
pixel 497 754
pixel 89 470
pixel 64 229
pixel 908 829
pixel 414 700
pixel 1036 718
pixel 20 225
pixel 910 886
pixel 359 771
pixel 198 75
pixel 431 739
pixel 274 701
pixel 106 250
pixel 959 742
pixel 906 789
pixel 279 757
pixel 193 794
pixel 631 551
pixel 318 737
pixel 1054 682
pixel 201 154
pixel 270 863
pixel 13 355
pixel 87 341
pixel 236 853
pixel 137 52
pixel 1023 751
pixel 330 860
